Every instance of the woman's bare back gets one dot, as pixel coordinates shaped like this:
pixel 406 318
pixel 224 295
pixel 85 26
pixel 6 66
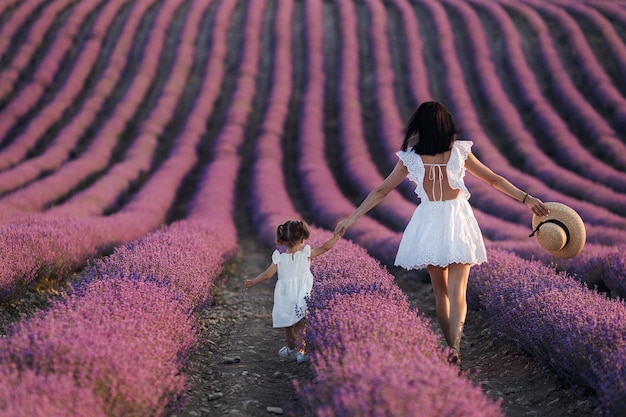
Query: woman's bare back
pixel 435 179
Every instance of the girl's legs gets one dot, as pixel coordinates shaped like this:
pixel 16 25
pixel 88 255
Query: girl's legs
pixel 299 331
pixel 289 337
pixel 450 287
pixel 294 336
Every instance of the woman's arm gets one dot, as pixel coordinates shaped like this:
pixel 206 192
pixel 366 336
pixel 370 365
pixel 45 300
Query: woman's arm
pixel 375 196
pixel 262 277
pixel 482 172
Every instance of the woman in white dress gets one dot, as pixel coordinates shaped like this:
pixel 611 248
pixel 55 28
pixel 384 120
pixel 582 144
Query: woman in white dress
pixel 294 284
pixel 442 235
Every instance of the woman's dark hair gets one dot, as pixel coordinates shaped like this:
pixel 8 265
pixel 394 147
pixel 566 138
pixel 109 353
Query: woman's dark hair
pixel 292 232
pixel 435 129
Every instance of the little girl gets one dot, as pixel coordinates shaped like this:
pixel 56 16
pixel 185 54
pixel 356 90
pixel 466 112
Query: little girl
pixel 295 282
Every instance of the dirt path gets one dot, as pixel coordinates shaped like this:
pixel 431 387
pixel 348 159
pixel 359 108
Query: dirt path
pixel 237 372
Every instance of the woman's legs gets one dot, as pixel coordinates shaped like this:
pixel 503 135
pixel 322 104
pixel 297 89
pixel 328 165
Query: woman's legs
pixel 450 287
pixel 439 281
pixel 457 291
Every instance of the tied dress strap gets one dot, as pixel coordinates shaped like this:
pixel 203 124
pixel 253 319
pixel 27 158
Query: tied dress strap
pixel 435 172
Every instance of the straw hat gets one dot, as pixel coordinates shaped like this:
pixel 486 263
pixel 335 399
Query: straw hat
pixel 562 232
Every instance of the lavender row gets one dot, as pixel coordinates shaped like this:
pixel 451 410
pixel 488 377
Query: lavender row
pixel 154 283
pixel 494 228
pixel 612 9
pixel 267 172
pixel 600 265
pixel 487 74
pixel 324 196
pixel 61 245
pixel 588 182
pixel 18 16
pixel 390 127
pixel 10 74
pixel 497 227
pixel 417 73
pixel 600 136
pixel 603 25
pixel 269 202
pixel 527 247
pixel 600 84
pixel 18 13
pixel 43 78
pixel 463 109
pixel 520 231
pixel 372 353
pixel 95 158
pixel 576 331
pixel 597 234
pixel 357 164
pixel 490 205
pixel 60 149
pixel 151 203
pixel 110 186
pixel 176 262
pixel 122 337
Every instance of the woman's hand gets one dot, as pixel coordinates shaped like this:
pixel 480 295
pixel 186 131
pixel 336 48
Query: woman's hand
pixel 536 206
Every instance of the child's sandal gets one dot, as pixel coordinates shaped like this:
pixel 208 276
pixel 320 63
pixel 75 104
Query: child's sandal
pixel 285 352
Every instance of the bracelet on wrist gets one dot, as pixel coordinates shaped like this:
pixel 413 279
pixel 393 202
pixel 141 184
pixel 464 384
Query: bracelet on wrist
pixel 525 197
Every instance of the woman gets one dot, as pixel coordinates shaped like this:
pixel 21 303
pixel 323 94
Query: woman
pixel 442 235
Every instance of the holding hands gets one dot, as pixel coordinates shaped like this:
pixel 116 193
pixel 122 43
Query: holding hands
pixel 342 226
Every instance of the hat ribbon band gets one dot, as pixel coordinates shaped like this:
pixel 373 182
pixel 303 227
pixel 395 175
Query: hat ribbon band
pixel 557 222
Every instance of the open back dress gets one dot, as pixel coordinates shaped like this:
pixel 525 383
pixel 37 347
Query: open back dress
pixel 441 231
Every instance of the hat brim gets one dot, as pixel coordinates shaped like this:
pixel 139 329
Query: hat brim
pixel 573 222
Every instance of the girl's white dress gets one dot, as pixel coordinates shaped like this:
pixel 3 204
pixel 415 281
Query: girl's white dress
pixel 295 282
pixel 440 232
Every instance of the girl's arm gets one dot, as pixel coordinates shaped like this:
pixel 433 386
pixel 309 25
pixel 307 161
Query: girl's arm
pixel 262 277
pixel 375 196
pixel 326 246
pixel 482 172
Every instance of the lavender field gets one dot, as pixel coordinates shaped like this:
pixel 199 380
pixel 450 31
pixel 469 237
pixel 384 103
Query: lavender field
pixel 136 134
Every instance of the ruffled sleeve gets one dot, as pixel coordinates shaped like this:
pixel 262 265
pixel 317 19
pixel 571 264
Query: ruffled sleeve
pixel 411 161
pixel 464 147
pixel 276 257
pixel 456 166
pixel 307 251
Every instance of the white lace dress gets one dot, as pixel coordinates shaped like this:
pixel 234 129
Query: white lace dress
pixel 440 232
pixel 295 282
